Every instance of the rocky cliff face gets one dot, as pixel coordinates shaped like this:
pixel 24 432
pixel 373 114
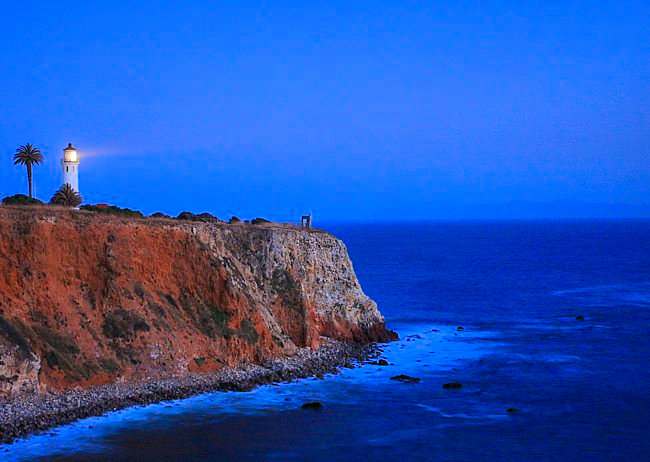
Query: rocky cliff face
pixel 87 299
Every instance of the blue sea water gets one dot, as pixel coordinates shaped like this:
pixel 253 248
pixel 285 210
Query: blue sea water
pixel 581 389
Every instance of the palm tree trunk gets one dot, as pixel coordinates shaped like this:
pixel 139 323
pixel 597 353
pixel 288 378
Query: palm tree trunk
pixel 29 179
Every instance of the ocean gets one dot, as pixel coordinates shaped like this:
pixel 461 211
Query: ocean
pixel 553 356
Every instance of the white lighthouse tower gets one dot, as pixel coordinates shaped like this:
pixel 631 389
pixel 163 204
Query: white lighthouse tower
pixel 70 165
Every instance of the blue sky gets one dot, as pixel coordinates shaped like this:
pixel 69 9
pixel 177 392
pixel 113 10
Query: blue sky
pixel 355 110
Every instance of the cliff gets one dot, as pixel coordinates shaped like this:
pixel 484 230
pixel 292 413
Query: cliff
pixel 87 299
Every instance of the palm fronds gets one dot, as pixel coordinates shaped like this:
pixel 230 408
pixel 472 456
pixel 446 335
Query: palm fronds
pixel 67 196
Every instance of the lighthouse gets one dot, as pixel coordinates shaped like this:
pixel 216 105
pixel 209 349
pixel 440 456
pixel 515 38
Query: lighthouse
pixel 70 166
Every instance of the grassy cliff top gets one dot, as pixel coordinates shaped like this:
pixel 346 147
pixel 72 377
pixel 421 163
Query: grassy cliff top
pixel 50 212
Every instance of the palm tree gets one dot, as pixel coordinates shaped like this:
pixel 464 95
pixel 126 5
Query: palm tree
pixel 66 195
pixel 28 155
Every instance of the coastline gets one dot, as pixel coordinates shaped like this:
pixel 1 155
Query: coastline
pixel 106 299
pixel 31 414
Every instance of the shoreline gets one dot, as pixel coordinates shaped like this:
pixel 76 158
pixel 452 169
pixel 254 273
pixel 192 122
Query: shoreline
pixel 30 414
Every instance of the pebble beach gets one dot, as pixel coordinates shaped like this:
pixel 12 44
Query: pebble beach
pixel 37 413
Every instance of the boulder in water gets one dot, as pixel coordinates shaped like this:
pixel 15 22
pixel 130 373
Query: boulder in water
pixel 405 378
pixel 452 385
pixel 314 405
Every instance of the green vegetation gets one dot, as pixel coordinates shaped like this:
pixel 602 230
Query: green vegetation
pixel 63 344
pixel 123 324
pixel 139 290
pixel 220 319
pixel 66 196
pixel 60 349
pixel 9 332
pixel 28 155
pixel 185 216
pixel 125 352
pixel 108 365
pixel 204 217
pixel 156 308
pixel 61 352
pixel 208 218
pixel 206 317
pixel 282 283
pixel 248 332
pixel 21 199
pixel 113 210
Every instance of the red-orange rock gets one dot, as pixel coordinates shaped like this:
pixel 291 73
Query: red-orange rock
pixel 88 299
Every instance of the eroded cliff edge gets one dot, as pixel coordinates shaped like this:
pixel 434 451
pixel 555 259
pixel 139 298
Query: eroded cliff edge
pixel 87 299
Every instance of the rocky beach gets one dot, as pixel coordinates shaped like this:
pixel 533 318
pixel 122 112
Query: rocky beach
pixel 31 414
pixel 102 312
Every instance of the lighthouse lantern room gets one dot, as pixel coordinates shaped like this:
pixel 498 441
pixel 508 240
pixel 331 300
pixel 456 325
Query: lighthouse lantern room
pixel 70 166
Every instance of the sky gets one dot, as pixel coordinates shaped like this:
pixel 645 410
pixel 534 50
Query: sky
pixel 369 111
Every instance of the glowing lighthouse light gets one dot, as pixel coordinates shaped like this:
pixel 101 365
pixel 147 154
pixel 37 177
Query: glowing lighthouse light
pixel 70 166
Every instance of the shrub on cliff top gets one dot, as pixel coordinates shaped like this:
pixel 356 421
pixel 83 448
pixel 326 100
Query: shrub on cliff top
pixel 209 218
pixel 186 216
pixel 21 199
pixel 204 217
pixel 159 215
pixel 113 210
pixel 234 219
pixel 66 196
pixel 259 221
